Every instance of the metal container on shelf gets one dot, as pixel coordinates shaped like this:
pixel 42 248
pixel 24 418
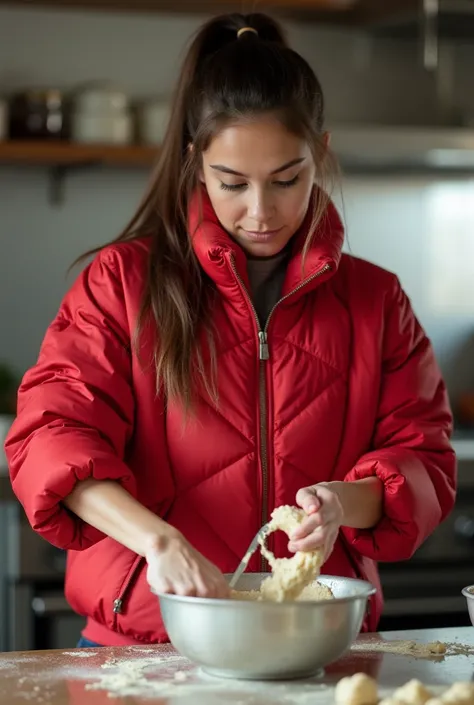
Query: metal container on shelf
pixel 101 114
pixel 38 114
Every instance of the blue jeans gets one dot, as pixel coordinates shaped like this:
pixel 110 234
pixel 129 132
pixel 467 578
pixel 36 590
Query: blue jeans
pixel 86 644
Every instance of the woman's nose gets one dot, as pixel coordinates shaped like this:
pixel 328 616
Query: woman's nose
pixel 260 207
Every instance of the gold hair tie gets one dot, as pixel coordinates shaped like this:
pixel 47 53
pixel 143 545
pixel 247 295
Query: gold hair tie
pixel 246 29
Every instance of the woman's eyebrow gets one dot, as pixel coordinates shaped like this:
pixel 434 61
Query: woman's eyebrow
pixel 227 170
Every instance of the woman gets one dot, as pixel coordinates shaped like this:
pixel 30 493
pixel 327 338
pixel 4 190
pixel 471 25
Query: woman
pixel 222 357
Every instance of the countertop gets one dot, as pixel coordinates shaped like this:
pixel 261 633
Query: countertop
pixel 65 677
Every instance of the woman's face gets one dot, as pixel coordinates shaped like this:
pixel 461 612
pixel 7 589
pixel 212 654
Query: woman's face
pixel 259 178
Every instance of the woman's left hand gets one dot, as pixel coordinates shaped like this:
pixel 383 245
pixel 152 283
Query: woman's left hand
pixel 320 528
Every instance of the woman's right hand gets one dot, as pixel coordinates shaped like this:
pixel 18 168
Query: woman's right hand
pixel 175 567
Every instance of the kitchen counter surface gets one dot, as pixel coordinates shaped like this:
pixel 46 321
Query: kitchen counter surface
pixel 157 674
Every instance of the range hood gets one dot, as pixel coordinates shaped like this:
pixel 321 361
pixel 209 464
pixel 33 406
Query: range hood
pixel 451 19
pixel 377 148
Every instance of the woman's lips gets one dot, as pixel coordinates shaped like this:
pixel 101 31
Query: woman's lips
pixel 262 236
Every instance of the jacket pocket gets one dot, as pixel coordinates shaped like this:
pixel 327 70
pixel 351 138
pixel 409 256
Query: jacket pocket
pixel 119 603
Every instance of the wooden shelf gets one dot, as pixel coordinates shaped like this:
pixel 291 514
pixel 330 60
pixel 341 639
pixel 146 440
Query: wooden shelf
pixel 59 158
pixel 69 155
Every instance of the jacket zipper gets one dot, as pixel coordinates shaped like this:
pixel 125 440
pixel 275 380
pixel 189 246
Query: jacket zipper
pixel 126 585
pixel 264 355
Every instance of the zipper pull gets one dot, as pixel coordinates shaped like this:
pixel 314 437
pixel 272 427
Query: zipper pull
pixel 263 346
pixel 118 606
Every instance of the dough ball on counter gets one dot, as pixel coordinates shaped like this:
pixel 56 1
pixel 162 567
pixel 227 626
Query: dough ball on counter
pixel 437 647
pixel 462 693
pixel 413 693
pixel 391 701
pixel 358 689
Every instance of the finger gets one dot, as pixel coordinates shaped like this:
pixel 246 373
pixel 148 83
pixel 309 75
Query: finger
pixel 221 586
pixel 308 525
pixel 211 583
pixel 307 499
pixel 185 590
pixel 205 590
pixel 313 542
pixel 163 588
pixel 222 590
pixel 327 496
pixel 211 588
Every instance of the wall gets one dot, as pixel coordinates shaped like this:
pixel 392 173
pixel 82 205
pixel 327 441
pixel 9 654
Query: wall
pixel 423 229
pixel 389 221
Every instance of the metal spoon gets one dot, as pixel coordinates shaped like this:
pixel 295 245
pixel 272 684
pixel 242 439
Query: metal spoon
pixel 241 568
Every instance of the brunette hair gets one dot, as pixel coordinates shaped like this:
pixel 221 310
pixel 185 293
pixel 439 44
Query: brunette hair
pixel 226 75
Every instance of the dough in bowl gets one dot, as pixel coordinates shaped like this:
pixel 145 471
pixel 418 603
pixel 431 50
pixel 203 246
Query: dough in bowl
pixel 292 578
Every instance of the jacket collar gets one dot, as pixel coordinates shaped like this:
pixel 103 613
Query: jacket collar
pixel 222 258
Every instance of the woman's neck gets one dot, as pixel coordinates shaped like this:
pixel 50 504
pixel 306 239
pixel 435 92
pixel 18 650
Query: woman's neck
pixel 279 255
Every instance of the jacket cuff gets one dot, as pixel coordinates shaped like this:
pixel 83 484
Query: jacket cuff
pixel 47 514
pixel 411 509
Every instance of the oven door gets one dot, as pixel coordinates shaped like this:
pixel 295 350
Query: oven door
pixel 426 590
pixel 40 617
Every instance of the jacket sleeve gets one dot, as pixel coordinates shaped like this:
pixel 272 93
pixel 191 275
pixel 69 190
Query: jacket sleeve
pixel 75 407
pixel 410 452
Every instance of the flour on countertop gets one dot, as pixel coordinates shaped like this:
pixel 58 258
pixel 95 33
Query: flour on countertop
pixel 80 654
pixel 434 650
pixel 8 664
pixel 175 677
pixel 146 662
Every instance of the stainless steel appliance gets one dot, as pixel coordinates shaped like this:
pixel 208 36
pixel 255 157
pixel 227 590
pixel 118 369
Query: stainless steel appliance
pixel 426 590
pixel 35 614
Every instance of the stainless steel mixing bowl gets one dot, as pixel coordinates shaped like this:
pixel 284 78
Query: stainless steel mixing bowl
pixel 266 640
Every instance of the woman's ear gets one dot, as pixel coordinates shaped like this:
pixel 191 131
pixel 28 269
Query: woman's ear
pixel 327 139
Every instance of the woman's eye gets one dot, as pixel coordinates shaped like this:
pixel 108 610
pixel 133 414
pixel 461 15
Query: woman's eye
pixel 240 187
pixel 232 187
pixel 287 184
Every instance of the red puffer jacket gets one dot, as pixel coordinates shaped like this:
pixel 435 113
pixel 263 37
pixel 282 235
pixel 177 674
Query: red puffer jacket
pixel 350 389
